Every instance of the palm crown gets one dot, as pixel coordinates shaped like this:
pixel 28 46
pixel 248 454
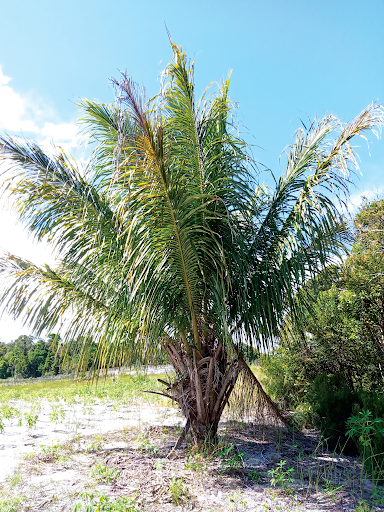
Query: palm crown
pixel 165 238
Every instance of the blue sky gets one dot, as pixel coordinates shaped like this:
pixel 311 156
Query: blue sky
pixel 290 60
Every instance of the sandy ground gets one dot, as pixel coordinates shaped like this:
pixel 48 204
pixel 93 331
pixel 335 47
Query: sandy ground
pixel 124 453
pixel 79 421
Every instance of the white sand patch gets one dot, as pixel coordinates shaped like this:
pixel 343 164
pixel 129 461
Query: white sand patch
pixel 79 420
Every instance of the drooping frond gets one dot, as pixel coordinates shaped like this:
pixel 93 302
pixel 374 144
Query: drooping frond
pixel 301 229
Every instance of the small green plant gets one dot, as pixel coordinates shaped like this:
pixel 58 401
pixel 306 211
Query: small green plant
pixel 10 504
pixel 254 475
pixel 159 465
pixel 51 450
pixel 8 411
pixel 103 473
pixel 231 459
pixel 378 495
pixel 178 491
pixel 365 430
pixel 97 502
pixel 15 479
pixel 282 476
pixel 145 446
pixel 57 414
pixel 363 507
pixel 31 419
pixel 331 489
pixel 95 445
pixel 195 463
pixel 235 501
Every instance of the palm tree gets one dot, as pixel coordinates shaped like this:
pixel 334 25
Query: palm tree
pixel 166 240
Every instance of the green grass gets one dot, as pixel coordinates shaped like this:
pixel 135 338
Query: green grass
pixel 126 390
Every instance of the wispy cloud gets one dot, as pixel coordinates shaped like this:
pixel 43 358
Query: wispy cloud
pixel 356 200
pixel 27 114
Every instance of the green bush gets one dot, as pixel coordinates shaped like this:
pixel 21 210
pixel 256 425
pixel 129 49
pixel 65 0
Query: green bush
pixel 366 428
pixel 333 403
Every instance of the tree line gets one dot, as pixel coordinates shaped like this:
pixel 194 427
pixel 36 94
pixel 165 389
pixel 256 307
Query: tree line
pixel 29 356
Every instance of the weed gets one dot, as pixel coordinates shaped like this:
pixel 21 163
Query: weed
pixel 254 475
pixel 159 465
pixel 51 451
pixel 363 507
pixel 10 504
pixel 230 458
pixel 378 495
pixel 57 414
pixel 178 491
pixel 331 489
pixel 31 419
pixel 365 430
pixel 15 479
pixel 236 500
pixel 195 463
pixel 95 446
pixel 145 446
pixel 97 502
pixel 282 476
pixel 103 473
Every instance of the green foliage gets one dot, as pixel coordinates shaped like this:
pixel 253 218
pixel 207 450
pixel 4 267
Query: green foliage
pixel 254 475
pixel 368 433
pixel 333 402
pixel 282 475
pixel 145 446
pixel 195 463
pixel 236 500
pixel 178 491
pixel 333 366
pixel 127 390
pixel 56 414
pixel 8 504
pixel 282 374
pixel 103 473
pixel 99 502
pixel 31 418
pixel 363 507
pixel 51 451
pixel 230 458
pixel 27 357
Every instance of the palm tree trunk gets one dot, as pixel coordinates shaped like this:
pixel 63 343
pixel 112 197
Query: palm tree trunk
pixel 202 386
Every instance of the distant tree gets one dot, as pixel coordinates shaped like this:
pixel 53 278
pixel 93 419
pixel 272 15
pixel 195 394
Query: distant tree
pixel 37 358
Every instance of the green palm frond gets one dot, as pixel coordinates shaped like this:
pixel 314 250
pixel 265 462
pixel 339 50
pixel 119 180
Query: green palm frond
pixel 165 235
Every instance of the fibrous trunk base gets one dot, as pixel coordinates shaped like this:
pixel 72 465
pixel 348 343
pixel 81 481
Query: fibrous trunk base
pixel 202 386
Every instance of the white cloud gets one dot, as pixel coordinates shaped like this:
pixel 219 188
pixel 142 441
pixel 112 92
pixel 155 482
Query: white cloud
pixel 356 200
pixel 27 113
pixel 63 135
pixel 13 109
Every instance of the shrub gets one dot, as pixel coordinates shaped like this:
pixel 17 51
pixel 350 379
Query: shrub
pixel 333 401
